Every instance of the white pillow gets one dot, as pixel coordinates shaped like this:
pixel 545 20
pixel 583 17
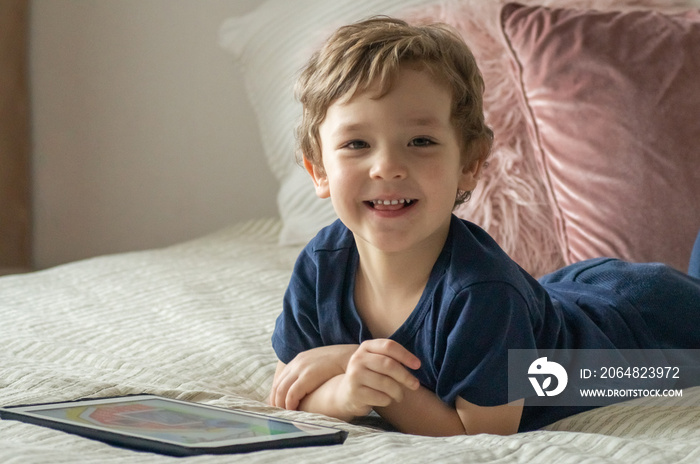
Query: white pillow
pixel 270 45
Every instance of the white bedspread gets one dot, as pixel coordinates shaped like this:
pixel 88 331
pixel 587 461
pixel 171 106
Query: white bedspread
pixel 193 322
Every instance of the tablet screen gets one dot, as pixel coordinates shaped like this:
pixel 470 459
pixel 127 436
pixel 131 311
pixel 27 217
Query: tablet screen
pixel 171 421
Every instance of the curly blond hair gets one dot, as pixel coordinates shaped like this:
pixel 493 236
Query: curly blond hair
pixel 372 52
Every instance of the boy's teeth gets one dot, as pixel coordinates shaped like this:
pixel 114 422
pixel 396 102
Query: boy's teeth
pixel 391 202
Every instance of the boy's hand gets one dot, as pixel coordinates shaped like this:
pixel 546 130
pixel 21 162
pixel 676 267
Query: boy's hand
pixel 376 376
pixel 306 372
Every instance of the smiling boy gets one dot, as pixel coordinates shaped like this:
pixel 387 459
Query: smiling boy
pixel 399 306
pixel 391 167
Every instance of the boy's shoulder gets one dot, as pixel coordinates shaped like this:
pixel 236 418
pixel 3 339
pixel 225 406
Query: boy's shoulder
pixel 476 257
pixel 468 237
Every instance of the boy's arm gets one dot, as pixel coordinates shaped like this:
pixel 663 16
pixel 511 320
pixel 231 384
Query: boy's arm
pixel 422 413
pixel 306 372
pixel 376 375
pixel 376 378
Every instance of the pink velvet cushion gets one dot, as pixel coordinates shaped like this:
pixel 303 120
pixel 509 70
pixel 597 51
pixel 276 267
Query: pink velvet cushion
pixel 612 102
pixel 510 202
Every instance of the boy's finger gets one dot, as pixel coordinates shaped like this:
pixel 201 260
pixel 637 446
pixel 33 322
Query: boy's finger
pixel 393 350
pixel 380 390
pixel 281 390
pixel 279 375
pixel 389 367
pixel 293 398
pixel 384 366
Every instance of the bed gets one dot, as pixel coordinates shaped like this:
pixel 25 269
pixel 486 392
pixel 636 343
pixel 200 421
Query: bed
pixel 193 321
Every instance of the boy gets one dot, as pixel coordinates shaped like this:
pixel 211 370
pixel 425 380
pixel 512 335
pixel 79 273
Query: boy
pixel 400 307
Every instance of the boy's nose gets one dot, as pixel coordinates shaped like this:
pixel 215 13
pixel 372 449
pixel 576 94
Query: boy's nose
pixel 388 164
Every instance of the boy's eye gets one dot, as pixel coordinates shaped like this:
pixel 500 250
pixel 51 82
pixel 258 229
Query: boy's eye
pixel 421 142
pixel 356 145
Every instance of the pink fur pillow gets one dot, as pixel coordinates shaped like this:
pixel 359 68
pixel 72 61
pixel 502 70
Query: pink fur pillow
pixel 611 101
pixel 512 201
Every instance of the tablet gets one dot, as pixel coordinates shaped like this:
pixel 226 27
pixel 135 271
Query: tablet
pixel 172 427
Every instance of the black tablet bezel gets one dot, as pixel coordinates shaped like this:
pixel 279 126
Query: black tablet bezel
pixel 311 435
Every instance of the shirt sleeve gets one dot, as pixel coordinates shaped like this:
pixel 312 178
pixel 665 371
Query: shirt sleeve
pixel 297 327
pixel 487 319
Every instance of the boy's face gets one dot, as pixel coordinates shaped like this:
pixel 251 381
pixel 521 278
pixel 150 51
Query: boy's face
pixel 392 166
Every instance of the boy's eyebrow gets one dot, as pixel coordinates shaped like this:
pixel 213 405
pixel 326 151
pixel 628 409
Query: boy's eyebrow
pixel 427 121
pixel 349 127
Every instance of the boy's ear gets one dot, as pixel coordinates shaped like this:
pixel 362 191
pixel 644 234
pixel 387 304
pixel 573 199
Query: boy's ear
pixel 470 174
pixel 318 175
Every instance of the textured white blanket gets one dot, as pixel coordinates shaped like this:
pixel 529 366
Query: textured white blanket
pixel 193 322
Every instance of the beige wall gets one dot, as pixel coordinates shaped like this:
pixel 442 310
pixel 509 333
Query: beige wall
pixel 142 133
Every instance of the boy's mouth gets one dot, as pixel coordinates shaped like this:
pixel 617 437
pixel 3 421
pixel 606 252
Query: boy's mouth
pixel 391 205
